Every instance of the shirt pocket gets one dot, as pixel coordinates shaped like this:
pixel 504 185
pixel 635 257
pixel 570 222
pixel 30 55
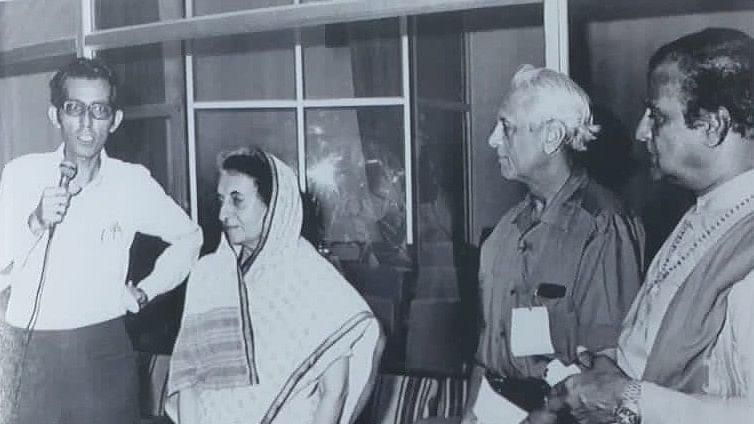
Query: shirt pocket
pixel 558 264
pixel 112 240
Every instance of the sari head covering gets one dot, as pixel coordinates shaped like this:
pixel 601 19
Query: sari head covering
pixel 268 332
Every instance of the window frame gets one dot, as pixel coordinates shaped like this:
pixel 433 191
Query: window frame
pixel 296 16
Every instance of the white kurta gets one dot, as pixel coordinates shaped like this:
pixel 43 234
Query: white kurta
pixel 728 395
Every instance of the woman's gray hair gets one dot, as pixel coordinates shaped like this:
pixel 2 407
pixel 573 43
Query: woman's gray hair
pixel 561 99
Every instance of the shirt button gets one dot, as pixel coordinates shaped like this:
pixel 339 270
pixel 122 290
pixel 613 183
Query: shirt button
pixel 523 246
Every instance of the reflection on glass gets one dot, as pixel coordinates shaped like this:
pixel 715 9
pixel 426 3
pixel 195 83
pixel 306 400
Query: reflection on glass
pixel 440 204
pixel 118 13
pixel 440 55
pixel 205 7
pixel 273 131
pixel 352 60
pixel 245 67
pixel 356 177
pixel 141 71
pixel 439 66
pixel 143 141
pixel 440 223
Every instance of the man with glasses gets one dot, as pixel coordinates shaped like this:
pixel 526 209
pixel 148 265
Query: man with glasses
pixel 67 221
pixel 561 267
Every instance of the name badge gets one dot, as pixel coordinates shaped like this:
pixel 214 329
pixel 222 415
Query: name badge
pixel 530 332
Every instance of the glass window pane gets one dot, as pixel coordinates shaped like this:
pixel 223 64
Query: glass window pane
pixel 245 67
pixel 25 23
pixel 143 141
pixel 217 131
pixel 118 13
pixel 440 221
pixel 356 177
pixel 205 7
pixel 141 71
pixel 352 60
pixel 440 55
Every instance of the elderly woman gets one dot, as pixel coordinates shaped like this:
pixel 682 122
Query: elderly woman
pixel 271 333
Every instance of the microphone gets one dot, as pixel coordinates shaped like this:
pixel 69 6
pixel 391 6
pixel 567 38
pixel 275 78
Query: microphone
pixel 68 170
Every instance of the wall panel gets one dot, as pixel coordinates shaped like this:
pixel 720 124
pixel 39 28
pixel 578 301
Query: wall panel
pixel 616 53
pixel 495 55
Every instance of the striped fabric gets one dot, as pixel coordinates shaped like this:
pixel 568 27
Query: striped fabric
pixel 396 400
pixel 211 356
pixel 406 399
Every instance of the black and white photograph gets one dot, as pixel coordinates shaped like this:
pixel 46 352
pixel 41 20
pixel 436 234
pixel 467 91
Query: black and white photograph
pixel 376 211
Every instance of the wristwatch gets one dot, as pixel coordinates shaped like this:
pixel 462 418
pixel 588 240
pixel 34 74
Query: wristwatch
pixel 627 411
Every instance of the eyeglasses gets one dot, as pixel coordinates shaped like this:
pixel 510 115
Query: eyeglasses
pixel 76 108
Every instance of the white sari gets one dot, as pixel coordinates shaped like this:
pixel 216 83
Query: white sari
pixel 253 347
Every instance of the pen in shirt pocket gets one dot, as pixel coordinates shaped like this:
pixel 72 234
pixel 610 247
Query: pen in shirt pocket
pixel 111 233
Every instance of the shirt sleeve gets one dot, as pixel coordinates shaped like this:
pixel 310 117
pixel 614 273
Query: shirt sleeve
pixel 482 312
pixel 158 215
pixel 16 239
pixel 660 405
pixel 487 326
pixel 608 279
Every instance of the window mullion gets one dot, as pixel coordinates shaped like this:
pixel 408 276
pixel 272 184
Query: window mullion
pixel 407 140
pixel 300 124
pixel 191 122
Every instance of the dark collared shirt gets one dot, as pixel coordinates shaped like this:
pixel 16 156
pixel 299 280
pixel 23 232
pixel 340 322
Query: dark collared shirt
pixel 585 241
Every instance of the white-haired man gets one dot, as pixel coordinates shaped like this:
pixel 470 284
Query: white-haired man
pixel 568 257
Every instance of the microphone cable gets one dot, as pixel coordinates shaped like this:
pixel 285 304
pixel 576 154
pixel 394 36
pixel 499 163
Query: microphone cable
pixel 67 172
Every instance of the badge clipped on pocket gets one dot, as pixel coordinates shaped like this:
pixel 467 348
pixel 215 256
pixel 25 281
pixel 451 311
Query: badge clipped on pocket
pixel 530 332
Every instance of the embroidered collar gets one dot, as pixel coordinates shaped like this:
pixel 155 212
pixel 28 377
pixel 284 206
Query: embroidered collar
pixel 722 223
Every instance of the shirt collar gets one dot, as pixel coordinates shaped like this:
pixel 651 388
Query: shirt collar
pixel 728 194
pixel 103 166
pixel 559 211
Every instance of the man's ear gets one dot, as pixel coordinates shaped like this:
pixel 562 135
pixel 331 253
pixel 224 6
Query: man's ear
pixel 53 116
pixel 715 125
pixel 117 119
pixel 554 134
